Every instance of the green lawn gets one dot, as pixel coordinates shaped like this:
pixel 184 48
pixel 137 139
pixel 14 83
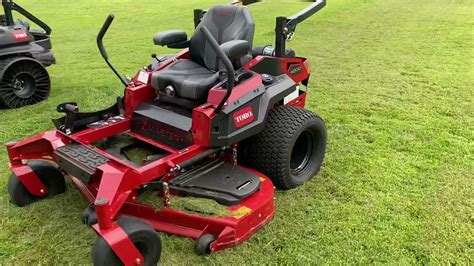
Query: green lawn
pixel 394 82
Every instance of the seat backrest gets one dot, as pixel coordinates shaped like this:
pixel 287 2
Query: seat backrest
pixel 226 23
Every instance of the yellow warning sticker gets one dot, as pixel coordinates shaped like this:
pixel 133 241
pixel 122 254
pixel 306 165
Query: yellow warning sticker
pixel 241 212
pixel 262 179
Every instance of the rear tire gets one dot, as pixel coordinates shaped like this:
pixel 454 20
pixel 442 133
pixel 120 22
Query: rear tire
pixel 291 148
pixel 143 236
pixel 48 173
pixel 23 81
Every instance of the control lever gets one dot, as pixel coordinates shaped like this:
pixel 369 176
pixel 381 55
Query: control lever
pixel 70 109
pixel 159 59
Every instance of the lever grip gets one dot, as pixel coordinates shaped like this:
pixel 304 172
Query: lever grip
pixel 102 32
pixel 100 44
pixel 71 108
pixel 68 107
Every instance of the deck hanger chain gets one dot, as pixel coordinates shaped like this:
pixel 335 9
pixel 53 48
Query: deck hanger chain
pixel 166 195
pixel 234 154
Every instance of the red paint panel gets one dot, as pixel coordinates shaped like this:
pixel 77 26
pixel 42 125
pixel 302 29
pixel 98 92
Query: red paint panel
pixel 230 230
pixel 30 180
pixel 201 125
pixel 300 101
pixel 93 134
pixel 134 96
pixel 121 244
pixel 289 65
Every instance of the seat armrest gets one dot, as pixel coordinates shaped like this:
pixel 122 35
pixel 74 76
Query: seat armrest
pixel 170 38
pixel 236 48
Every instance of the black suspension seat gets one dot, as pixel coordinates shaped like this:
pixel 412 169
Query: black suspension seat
pixel 192 79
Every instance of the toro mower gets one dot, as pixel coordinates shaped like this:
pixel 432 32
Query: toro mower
pixel 24 54
pixel 218 120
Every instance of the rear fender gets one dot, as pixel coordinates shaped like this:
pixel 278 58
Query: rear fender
pixel 247 115
pixel 34 51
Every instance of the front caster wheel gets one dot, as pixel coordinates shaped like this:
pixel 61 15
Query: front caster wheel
pixel 49 175
pixel 202 246
pixel 89 216
pixel 143 236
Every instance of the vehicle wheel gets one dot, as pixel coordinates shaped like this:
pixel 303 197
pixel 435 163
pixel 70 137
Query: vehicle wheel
pixel 89 216
pixel 23 81
pixel 202 246
pixel 48 173
pixel 145 239
pixel 291 148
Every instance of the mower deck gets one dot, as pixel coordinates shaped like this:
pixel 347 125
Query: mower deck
pixel 250 193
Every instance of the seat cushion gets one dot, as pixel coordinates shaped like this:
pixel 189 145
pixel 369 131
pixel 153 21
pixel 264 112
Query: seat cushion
pixel 189 79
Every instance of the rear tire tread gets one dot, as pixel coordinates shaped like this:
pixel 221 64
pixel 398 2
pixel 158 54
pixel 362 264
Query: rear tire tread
pixel 265 151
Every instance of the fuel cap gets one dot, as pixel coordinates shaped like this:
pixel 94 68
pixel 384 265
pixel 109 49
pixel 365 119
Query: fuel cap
pixel 267 79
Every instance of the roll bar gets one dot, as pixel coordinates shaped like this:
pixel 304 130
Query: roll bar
pixel 100 44
pixel 286 26
pixel 228 66
pixel 9 6
pixel 244 2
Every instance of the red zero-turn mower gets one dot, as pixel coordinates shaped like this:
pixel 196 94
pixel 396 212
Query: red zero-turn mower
pixel 24 54
pixel 216 121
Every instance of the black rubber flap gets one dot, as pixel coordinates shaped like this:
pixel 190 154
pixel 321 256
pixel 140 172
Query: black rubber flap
pixel 218 180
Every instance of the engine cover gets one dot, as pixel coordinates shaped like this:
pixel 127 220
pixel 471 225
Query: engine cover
pixel 170 127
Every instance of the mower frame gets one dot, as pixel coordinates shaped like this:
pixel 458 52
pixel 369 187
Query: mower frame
pixel 114 187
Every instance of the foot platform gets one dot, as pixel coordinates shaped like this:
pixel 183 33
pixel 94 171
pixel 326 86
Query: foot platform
pixel 79 161
pixel 218 180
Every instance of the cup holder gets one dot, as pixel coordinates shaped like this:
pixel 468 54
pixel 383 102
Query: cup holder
pixel 241 77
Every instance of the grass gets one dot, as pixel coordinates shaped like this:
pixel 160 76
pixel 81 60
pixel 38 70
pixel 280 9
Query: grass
pixel 394 82
pixel 201 206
